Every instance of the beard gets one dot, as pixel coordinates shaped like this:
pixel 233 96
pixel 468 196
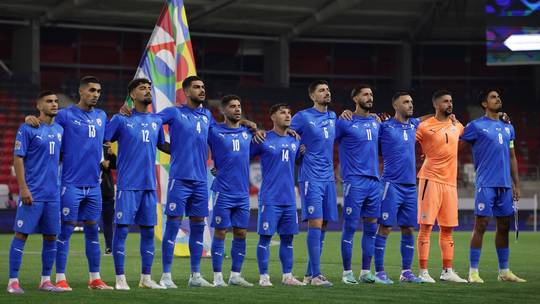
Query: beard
pixel 147 101
pixel 448 112
pixel 365 106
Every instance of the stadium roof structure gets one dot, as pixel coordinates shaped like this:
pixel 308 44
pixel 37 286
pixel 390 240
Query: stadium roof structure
pixel 378 20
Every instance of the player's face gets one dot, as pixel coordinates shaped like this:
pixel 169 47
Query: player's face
pixel 142 94
pixel 404 106
pixel 282 118
pixel 321 95
pixel 364 99
pixel 444 104
pixel 196 92
pixel 233 110
pixel 90 94
pixel 48 105
pixel 494 102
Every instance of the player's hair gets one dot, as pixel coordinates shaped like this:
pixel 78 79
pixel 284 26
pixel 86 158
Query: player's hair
pixel 228 98
pixel 88 79
pixel 483 95
pixel 357 89
pixel 278 106
pixel 136 82
pixel 313 86
pixel 440 93
pixel 44 93
pixel 398 94
pixel 187 82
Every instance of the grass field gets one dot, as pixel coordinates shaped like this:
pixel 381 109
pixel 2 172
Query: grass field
pixel 525 261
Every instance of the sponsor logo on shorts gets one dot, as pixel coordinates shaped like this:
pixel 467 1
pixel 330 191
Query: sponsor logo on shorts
pixel 348 210
pixel 20 223
pixel 172 206
pixel 310 209
pixel 265 226
pixel 218 219
pixel 119 215
pixel 65 211
pixel 385 216
pixel 481 206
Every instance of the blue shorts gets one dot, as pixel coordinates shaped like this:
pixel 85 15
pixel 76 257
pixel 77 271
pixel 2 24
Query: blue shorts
pixel 361 198
pixel 399 205
pixel 40 217
pixel 136 207
pixel 187 197
pixel 80 203
pixel 230 211
pixel 282 218
pixel 318 200
pixel 493 202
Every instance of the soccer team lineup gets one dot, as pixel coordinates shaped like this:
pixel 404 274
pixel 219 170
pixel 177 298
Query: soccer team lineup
pixel 297 152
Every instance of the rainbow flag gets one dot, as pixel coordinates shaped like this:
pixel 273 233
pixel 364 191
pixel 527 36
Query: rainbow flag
pixel 167 60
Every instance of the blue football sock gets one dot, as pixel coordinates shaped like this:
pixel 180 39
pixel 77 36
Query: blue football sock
pixel 502 255
pixel 167 245
pixel 407 251
pixel 119 247
pixel 15 257
pixel 196 238
pixel 62 247
pixel 474 257
pixel 286 253
pixel 368 244
pixel 218 251
pixel 147 249
pixel 380 248
pixel 263 253
pixel 48 255
pixel 347 236
pixel 238 252
pixel 93 249
pixel 308 269
pixel 314 250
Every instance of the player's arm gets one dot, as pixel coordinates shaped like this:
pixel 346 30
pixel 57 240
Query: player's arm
pixel 18 163
pixel 258 135
pixel 516 192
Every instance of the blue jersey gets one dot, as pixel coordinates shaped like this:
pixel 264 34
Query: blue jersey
pixel 137 136
pixel 278 154
pixel 230 151
pixel 491 143
pixel 318 130
pixel 358 147
pixel 398 150
pixel 188 131
pixel 82 148
pixel 40 150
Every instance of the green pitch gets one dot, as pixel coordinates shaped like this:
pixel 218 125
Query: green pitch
pixel 524 261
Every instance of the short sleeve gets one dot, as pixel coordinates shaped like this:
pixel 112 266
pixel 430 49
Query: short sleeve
pixel 469 134
pixel 419 134
pixel 297 123
pixel 341 128
pixel 22 141
pixel 255 149
pixel 512 133
pixel 61 118
pixel 112 129
pixel 167 115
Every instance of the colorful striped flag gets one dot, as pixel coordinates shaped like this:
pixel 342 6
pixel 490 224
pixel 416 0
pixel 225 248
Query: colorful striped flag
pixel 167 60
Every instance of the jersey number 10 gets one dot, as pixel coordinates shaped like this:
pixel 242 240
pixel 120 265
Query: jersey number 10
pixel 236 145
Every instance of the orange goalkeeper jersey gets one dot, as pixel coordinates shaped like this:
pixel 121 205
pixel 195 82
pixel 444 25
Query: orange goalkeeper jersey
pixel 439 141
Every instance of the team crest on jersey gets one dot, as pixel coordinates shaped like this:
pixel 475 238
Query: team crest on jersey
pixel 244 135
pixel 98 121
pixel 154 125
pixel 218 219
pixel 20 223
pixel 481 206
pixel 59 136
pixel 507 129
pixel 17 145
pixel 119 215
pixel 172 206
pixel 374 125
pixel 293 147
pixel 65 211
pixel 331 122
pixel 348 210
pixel 385 216
pixel 205 119
pixel 265 226
pixel 310 209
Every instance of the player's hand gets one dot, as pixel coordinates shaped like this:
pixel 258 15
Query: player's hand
pixel 302 149
pixel 259 136
pixel 384 116
pixel 32 120
pixel 125 110
pixel 250 125
pixel 453 119
pixel 347 115
pixel 516 193
pixel 213 171
pixel 26 196
pixel 293 133
pixel 504 117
